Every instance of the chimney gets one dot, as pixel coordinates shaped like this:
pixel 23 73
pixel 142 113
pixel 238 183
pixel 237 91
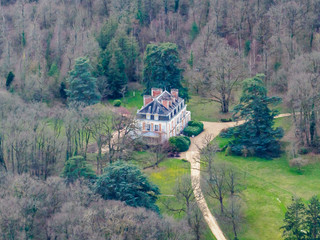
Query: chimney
pixel 167 103
pixel 147 99
pixel 155 92
pixel 175 93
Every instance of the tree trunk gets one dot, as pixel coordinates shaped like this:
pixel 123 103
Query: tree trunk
pixel 225 105
pixel 221 204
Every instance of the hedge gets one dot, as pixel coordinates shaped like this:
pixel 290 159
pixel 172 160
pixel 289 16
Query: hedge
pixel 180 143
pixel 192 131
pixel 194 128
pixel 196 124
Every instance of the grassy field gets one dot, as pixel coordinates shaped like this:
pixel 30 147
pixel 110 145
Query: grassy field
pixel 133 99
pixel 270 184
pixel 165 176
pixel 205 110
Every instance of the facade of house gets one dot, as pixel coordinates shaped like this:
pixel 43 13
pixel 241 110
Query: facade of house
pixel 162 115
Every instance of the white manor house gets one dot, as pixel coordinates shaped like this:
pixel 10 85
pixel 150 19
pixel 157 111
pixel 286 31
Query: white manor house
pixel 162 115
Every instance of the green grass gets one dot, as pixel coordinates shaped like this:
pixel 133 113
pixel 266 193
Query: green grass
pixel 132 99
pixel 270 184
pixel 205 110
pixel 165 177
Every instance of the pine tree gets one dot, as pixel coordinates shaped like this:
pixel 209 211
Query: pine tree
pixel 257 133
pixel 194 31
pixel 82 86
pixel 313 218
pixel 294 227
pixel 125 182
pixel 76 168
pixel 161 68
pixel 10 79
pixel 117 79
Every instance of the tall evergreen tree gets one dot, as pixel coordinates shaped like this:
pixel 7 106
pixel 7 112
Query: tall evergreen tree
pixel 116 76
pixel 125 182
pixel 294 227
pixel 257 134
pixel 82 85
pixel 76 168
pixel 313 218
pixel 161 68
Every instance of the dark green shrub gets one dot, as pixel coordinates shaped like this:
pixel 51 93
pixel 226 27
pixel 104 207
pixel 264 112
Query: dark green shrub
pixel 192 131
pixel 10 78
pixel 194 128
pixel 62 90
pixel 180 143
pixel 247 47
pixel 226 119
pixel 303 151
pixel 117 103
pixel 196 123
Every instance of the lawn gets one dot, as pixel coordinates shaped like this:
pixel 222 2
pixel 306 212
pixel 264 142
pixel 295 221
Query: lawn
pixel 165 177
pixel 270 185
pixel 133 99
pixel 205 110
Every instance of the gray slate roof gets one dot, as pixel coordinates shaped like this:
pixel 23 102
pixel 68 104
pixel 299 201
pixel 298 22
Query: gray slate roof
pixel 155 107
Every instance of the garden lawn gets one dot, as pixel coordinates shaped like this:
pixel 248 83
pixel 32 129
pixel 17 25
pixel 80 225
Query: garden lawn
pixel 203 109
pixel 270 185
pixel 165 178
pixel 132 100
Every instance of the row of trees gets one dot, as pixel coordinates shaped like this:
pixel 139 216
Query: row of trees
pixel 37 139
pixel 223 184
pixel 160 70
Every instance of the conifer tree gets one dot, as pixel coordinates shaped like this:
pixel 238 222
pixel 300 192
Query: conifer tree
pixel 117 79
pixel 257 134
pixel 125 182
pixel 82 85
pixel 161 68
pixel 313 218
pixel 294 227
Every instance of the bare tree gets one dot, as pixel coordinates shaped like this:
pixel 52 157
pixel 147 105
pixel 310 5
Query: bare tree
pixel 208 150
pixel 217 187
pixel 234 215
pixel 223 70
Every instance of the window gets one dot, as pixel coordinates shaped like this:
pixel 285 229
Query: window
pixel 148 127
pixel 156 128
pixel 148 115
pixel 156 117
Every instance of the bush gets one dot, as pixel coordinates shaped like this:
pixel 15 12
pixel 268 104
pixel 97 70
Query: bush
pixel 117 103
pixel 226 119
pixel 194 128
pixel 191 131
pixel 196 124
pixel 303 151
pixel 298 163
pixel 10 78
pixel 180 143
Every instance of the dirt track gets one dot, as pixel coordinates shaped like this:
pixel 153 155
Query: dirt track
pixel 192 155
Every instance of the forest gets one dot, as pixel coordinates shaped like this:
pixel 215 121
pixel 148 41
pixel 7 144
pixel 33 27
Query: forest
pixel 72 76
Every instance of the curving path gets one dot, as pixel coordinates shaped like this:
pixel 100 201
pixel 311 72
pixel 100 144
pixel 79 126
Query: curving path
pixel 192 155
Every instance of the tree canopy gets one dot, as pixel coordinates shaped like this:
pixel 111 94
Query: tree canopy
pixel 257 135
pixel 82 85
pixel 76 168
pixel 161 68
pixel 125 182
